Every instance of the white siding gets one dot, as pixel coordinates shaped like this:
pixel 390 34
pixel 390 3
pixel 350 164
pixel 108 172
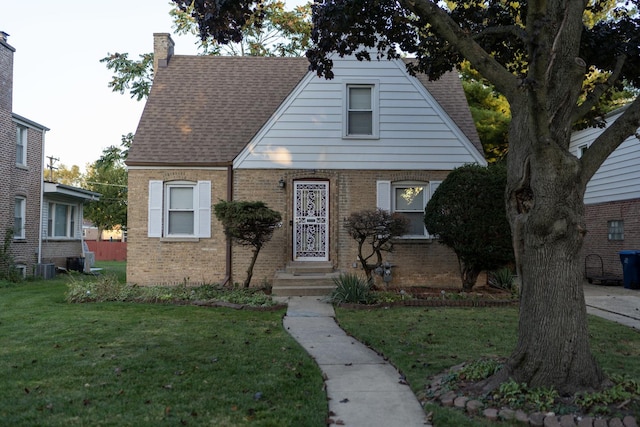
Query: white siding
pixel 307 131
pixel 619 176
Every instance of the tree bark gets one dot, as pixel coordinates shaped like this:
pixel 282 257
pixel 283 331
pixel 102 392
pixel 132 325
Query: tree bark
pixel 247 281
pixel 546 212
pixel 469 278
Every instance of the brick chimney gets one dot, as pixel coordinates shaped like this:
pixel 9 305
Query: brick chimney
pixel 162 50
pixel 6 73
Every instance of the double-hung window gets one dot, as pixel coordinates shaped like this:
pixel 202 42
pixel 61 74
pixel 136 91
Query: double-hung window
pixel 615 230
pixel 61 220
pixel 408 198
pixel 19 218
pixel 179 209
pixel 21 145
pixel 361 111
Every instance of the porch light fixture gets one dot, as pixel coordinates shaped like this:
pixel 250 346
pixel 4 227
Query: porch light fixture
pixel 282 183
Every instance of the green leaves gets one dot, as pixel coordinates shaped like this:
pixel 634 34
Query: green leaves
pixel 468 214
pixel 130 75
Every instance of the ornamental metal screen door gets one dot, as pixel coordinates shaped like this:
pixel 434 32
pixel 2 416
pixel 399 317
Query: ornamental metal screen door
pixel 311 221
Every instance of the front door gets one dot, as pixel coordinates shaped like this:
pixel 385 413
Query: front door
pixel 311 221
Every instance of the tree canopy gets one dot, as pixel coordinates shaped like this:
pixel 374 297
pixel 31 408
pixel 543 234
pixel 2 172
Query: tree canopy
pixel 108 176
pixel 468 215
pixel 538 54
pixel 270 30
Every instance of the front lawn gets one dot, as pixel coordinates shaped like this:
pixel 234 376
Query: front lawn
pixel 149 364
pixel 422 342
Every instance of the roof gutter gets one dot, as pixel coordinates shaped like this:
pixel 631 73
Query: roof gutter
pixel 228 259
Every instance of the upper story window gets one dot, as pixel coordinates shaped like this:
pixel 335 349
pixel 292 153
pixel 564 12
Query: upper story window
pixel 409 199
pixel 361 111
pixel 615 230
pixel 19 218
pixel 179 209
pixel 61 221
pixel 21 145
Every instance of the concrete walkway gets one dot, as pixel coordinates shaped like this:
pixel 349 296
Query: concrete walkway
pixel 614 303
pixel 363 389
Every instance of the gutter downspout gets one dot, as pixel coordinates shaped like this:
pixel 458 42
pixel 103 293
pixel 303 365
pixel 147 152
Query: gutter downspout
pixel 228 259
pixel 41 222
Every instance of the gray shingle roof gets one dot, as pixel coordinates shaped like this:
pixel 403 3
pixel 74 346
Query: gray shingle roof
pixel 203 110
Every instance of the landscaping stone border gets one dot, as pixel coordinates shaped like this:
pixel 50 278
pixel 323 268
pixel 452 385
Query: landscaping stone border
pixel 434 303
pixel 475 407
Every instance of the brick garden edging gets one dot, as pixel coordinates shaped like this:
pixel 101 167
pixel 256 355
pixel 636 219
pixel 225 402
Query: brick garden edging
pixel 434 303
pixel 475 407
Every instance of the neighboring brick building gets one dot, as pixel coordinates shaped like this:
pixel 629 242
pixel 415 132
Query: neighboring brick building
pixel 46 234
pixel 316 150
pixel 612 201
pixel 22 142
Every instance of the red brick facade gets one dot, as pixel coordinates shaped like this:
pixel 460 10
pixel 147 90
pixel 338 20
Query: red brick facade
pixel 597 239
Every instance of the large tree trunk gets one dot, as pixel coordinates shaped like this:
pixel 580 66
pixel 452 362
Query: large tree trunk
pixel 546 211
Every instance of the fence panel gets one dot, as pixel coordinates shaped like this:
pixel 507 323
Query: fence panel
pixel 107 250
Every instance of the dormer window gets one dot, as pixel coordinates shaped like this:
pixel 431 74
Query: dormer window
pixel 361 111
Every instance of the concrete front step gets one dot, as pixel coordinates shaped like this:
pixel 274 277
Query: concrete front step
pixel 302 268
pixel 310 284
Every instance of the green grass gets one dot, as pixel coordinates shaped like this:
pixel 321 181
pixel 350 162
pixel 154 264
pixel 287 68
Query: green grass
pixel 135 364
pixel 119 268
pixel 422 342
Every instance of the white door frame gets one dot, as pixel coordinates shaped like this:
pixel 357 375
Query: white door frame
pixel 310 220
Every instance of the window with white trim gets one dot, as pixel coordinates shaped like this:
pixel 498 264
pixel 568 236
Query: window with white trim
pixel 61 220
pixel 21 145
pixel 615 230
pixel 361 111
pixel 408 198
pixel 19 218
pixel 179 209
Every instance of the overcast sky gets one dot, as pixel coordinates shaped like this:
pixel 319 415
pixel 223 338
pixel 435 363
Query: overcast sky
pixel 59 81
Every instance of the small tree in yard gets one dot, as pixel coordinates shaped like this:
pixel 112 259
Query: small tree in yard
pixel 468 215
pixel 249 224
pixel 374 230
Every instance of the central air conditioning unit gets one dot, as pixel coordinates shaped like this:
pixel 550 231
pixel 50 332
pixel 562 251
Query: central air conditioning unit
pixel 45 271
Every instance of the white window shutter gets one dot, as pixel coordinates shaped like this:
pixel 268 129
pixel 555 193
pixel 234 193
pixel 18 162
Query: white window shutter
pixel 154 221
pixel 383 199
pixel 204 209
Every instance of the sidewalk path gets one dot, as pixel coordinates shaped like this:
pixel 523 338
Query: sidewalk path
pixel 363 389
pixel 614 303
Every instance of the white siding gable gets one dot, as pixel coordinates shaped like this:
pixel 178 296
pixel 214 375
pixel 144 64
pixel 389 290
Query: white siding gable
pixel 307 131
pixel 619 176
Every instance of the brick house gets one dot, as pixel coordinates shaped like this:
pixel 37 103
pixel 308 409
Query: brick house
pixel 316 150
pixel 612 201
pixel 22 142
pixel 22 209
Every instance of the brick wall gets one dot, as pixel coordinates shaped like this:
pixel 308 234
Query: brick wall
pixel 160 261
pixel 57 251
pixel 18 181
pixel 596 240
pixel 153 261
